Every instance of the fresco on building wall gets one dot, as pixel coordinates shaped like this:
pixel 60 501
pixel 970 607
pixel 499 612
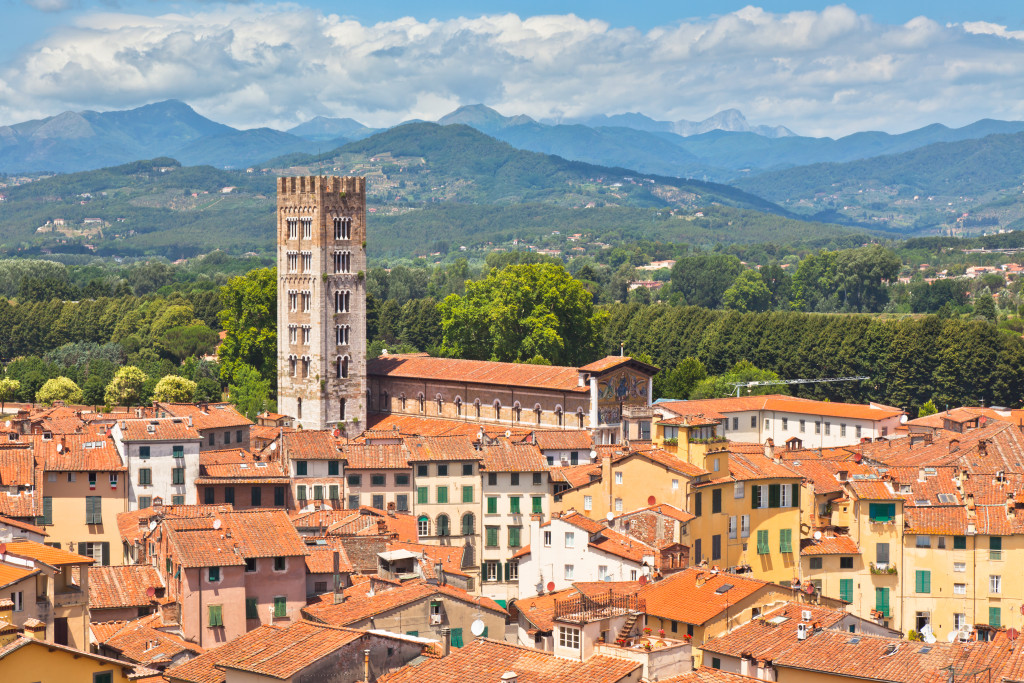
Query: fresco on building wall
pixel 620 388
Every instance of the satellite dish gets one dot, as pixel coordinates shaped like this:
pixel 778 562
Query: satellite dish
pixel 643 580
pixel 508 433
pixel 952 636
pixel 151 591
pixel 817 535
pixel 477 627
pixel 809 589
pixel 152 525
pixel 273 446
pixel 593 455
pixel 903 419
pixel 216 524
pixel 60 448
pixel 651 500
pixel 551 586
pixel 609 516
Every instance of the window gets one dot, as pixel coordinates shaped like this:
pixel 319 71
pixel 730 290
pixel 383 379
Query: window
pixel 803 424
pixel 745 526
pixel 882 601
pixel 753 422
pixel 513 505
pixel 423 526
pixel 467 469
pixel 334 492
pixel 515 478
pixel 422 495
pixel 698 503
pixel 959 589
pixel 214 616
pixel 859 431
pixel 280 564
pixel 491 536
pixel 251 611
pixel 547 539
pixel 179 451
pixel 846 590
pixel 570 539
pixel 588 503
pixel 842 429
pixel 442 494
pixel 815 563
pixel 442 470
pixel 421 471
pixel 378 480
pixel 569 637
pixel 301 468
pixel 959 543
pixel 882 512
pixel 785 424
pixel 306 298
pixel 47 517
pixel 19 601
pixel 250 565
pixel 256 496
pixel 145 477
pixel 960 567
pixel 467 494
pixel 468 524
pixel 401 480
pixel 882 553
pixel 318 492
pixel 995 547
pixel 93 510
pixel 103 677
pixel 538 505
pixel 716 501
pixel 732 526
pixel 214 574
pixel 512 570
pixel 444 527
pixel 923 581
pixel 402 502
pixel 738 489
pixel 514 534
pixel 716 547
pixel 995 617
pixel 570 572
pixel 618 505
pixel 178 476
pixel 762 542
pixel 767 425
pixel 941 543
pixel 618 478
pixel 146 501
pixel 846 563
pixel 307 228
pixel 995 584
pixel 491 570
pixel 785 540
pixel 293 228
pixel 300 493
pixel 923 541
pixel 698 555
pixel 602 572
pixel 817 427
pixel 144 452
pixel 280 606
pixel 716 663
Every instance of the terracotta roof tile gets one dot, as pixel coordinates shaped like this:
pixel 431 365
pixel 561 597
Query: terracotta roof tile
pixel 17 467
pixel 505 456
pixel 361 456
pixel 24 526
pixel 680 598
pixel 609 540
pixel 371 598
pixel 705 675
pixel 253 533
pixel 54 557
pixel 320 559
pixel 770 639
pixel 78 453
pixel 564 440
pixel 158 429
pixel 477 372
pixel 10 574
pixel 867 489
pixel 831 544
pixel 309 444
pixel 143 641
pixel 486 660
pixel 207 415
pixel 780 403
pixel 450 448
pixel 238 466
pixel 122 586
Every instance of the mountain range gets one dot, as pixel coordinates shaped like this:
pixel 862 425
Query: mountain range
pixel 723 148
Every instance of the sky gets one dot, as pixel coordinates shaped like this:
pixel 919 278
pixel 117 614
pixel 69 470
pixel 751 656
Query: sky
pixel 817 68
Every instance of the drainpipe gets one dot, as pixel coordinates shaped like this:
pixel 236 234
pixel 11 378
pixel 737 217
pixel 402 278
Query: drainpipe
pixel 200 570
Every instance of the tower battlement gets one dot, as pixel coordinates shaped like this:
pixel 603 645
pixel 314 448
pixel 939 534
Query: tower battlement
pixel 316 185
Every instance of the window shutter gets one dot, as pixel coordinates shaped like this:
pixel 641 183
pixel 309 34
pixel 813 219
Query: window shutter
pixel 786 540
pixel 499 571
pixel 755 497
pixel 81 549
pixel 47 509
pixel 105 547
pixel 994 617
pixel 456 637
pixel 846 589
pixel 774 495
pixel 251 611
pixel 795 501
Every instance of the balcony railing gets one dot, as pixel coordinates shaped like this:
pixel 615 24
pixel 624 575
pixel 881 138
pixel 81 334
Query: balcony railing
pixel 584 609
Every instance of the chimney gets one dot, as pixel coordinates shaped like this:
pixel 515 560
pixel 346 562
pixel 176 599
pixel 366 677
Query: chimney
pixel 983 448
pixel 509 677
pixel 446 640
pixel 970 502
pixel 34 629
pixel 439 573
pixel 366 665
pixel 1010 506
pixel 954 445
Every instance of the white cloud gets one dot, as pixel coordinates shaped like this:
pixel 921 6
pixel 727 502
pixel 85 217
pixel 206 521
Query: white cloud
pixel 828 72
pixel 51 5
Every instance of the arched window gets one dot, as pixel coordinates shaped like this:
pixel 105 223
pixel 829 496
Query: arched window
pixel 341 410
pixel 299 409
pixel 343 367
pixel 423 404
pixel 468 524
pixel 402 399
pixel 443 526
pixel 579 417
pixel 497 410
pixel 559 415
pixel 423 526
pixel 458 406
pixel 440 403
pixel 385 405
pixel 537 411
pixel 476 404
pixel 517 412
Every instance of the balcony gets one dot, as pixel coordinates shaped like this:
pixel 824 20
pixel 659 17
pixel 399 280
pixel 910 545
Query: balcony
pixel 583 609
pixel 883 568
pixel 660 657
pixel 70 598
pixel 635 412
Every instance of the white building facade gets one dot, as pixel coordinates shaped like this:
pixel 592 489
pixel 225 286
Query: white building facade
pixel 162 456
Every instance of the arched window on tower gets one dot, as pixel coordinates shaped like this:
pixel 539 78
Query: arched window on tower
pixel 298 408
pixel 559 416
pixel 517 412
pixel 342 409
pixel 343 367
pixel 537 412
pixel 476 404
pixel 458 406
pixel 579 417
pixel 423 403
pixel 385 403
pixel 497 410
pixel 440 404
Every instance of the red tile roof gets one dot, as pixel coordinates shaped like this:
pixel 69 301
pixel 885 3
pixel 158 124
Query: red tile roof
pixel 506 456
pixel 158 429
pixel 320 559
pixel 308 444
pixel 17 467
pixel 55 557
pixel 769 639
pixel 115 586
pixel 486 660
pixel 9 574
pixel 829 544
pixel 253 533
pixel 24 526
pixel 450 448
pixel 680 598
pixel 551 377
pixel 371 598
pixel 705 675
pixel 782 404
pixel 609 540
pixel 143 641
pixel 78 453
pixel 867 489
pixel 239 467
pixel 207 415
pixel 564 440
pixel 361 456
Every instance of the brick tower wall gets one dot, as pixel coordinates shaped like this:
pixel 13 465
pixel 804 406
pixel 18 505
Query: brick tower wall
pixel 315 398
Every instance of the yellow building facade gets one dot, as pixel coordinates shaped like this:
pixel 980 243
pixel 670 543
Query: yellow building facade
pixel 27 660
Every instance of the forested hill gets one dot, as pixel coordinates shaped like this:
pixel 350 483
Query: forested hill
pixel 483 193
pixel 967 167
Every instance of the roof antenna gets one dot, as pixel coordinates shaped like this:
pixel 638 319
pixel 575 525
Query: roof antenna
pixel 622 348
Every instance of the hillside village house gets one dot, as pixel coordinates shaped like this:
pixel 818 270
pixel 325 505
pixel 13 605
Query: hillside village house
pixel 591 397
pixel 123 593
pixel 220 425
pixel 85 488
pixel 378 474
pixel 819 424
pixel 314 464
pixel 162 457
pixel 241 479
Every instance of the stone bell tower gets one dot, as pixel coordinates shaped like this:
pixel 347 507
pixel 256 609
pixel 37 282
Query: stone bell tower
pixel 321 301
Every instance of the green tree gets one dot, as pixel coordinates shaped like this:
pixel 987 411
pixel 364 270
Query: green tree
pixel 59 389
pixel 520 312
pixel 249 391
pixel 174 389
pixel 703 278
pixel 9 389
pixel 680 381
pixel 126 388
pixel 985 306
pixel 928 408
pixel 718 386
pixel 249 317
pixel 748 293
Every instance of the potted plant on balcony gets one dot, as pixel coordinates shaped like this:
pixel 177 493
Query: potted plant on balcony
pixel 687 637
pixel 647 630
pixel 661 632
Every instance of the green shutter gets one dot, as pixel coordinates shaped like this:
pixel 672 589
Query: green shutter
pixel 774 495
pixel 280 607
pixel 250 609
pixel 846 590
pixel 538 505
pixel 467 494
pixel 215 616
pixel 300 493
pixel 923 581
pixel 492 536
pixel 959 543
pixel 785 540
pixel 762 542
pixel 492 505
pixel 415 634
pixel 513 505
pixel 456 637
pixel 882 600
pixel 333 491
pixel 513 537
pixel 422 495
pixel 318 492
pixel 498 571
pixel 47 510
pixel 995 617
pixel 442 494
pixel 484 634
pixel 105 548
pixel 795 500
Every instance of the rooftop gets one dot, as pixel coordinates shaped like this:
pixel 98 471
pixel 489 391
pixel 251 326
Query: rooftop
pixel 552 377
pixel 782 404
pixel 694 595
pixel 113 587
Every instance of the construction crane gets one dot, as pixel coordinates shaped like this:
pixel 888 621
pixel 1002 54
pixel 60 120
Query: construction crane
pixel 770 382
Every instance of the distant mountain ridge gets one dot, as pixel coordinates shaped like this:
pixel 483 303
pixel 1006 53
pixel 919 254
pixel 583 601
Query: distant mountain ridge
pixel 729 120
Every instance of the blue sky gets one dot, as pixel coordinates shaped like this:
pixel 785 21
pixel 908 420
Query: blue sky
pixel 817 68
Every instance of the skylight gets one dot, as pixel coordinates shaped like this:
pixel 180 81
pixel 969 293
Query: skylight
pixel 724 588
pixel 853 641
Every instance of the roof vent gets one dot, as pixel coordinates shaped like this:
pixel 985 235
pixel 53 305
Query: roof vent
pixel 806 615
pixel 509 677
pixel 151 428
pixel 890 649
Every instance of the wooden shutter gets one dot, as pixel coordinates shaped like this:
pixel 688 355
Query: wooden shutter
pixel 105 548
pixel 795 502
pixel 774 495
pixel 785 540
pixel 846 589
pixel 755 497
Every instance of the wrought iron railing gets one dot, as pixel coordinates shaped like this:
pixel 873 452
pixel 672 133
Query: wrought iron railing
pixel 583 609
